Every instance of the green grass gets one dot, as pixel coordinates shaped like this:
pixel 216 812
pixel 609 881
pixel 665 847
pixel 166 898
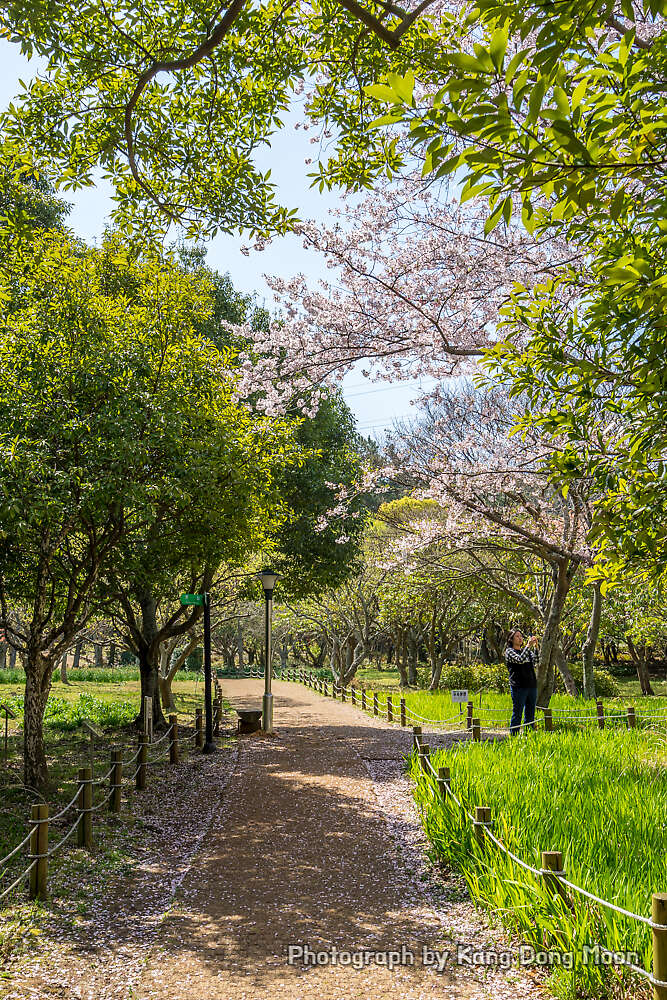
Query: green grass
pixel 599 797
pixel 111 708
pixel 495 709
pixel 98 675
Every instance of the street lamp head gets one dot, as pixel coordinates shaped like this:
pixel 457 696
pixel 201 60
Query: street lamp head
pixel 268 578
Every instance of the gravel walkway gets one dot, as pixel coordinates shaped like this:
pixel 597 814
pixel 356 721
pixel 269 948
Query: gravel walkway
pixel 317 845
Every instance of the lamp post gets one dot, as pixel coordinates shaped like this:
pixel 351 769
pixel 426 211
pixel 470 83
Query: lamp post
pixel 209 745
pixel 268 578
pixel 204 600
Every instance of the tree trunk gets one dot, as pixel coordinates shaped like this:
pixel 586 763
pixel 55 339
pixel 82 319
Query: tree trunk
pixel 3 655
pixel 111 661
pixel 166 695
pixel 283 656
pixel 150 688
pixel 564 671
pixel 37 686
pixel 639 655
pixel 12 658
pixel 239 643
pixel 353 662
pixel 149 655
pixel 77 655
pixel 98 655
pixel 413 659
pixel 435 661
pixel 562 573
pixel 63 669
pixel 401 657
pixel 169 668
pixel 590 642
pixel 436 672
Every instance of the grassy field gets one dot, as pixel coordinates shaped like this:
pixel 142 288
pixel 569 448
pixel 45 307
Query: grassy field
pixel 495 709
pixel 599 797
pixel 111 705
pixel 110 701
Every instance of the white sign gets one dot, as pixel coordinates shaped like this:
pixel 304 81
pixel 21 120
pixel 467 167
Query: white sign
pixel 459 695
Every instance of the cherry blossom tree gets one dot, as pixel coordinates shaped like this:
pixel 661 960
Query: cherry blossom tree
pixel 497 505
pixel 417 287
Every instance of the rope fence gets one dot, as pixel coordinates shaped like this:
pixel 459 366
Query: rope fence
pixel 112 782
pixel 475 719
pixel 553 874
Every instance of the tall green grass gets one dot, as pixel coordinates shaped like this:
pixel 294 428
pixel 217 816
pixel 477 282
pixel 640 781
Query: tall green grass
pixel 600 797
pixel 66 716
pixel 494 708
pixel 97 675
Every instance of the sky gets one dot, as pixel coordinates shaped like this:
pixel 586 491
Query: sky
pixel 375 405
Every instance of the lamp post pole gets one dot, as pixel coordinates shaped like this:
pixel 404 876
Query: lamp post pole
pixel 267 700
pixel 268 578
pixel 209 745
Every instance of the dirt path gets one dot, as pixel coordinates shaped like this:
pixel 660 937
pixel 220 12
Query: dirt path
pixel 316 845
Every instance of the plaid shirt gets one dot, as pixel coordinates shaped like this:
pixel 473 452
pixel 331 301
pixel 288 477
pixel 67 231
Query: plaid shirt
pixel 521 666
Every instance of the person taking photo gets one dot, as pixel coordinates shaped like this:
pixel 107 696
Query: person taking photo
pixel 521 659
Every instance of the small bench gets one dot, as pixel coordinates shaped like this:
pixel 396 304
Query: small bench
pixel 250 720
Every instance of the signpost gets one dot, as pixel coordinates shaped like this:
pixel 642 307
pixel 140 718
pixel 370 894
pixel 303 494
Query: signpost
pixel 459 695
pixel 205 600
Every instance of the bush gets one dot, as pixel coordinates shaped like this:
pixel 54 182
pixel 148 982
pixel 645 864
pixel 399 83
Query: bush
pixel 605 685
pixel 66 716
pixel 495 677
pixel 128 659
pixel 14 676
pixel 476 677
pixel 195 660
pixel 102 675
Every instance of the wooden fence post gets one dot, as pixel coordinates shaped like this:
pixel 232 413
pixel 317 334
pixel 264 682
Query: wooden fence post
pixel 173 739
pixel 416 737
pixel 326 689
pixel 143 757
pixel 403 719
pixel 632 718
pixel 469 716
pixel 353 695
pixel 148 718
pixel 363 699
pixel 548 720
pixel 600 709
pixel 342 693
pixel 659 917
pixel 552 861
pixel 443 782
pixel 390 709
pixel 476 730
pixel 39 846
pixel 199 727
pixel 424 751
pixel 85 805
pixel 375 703
pixel 116 780
pixel 481 821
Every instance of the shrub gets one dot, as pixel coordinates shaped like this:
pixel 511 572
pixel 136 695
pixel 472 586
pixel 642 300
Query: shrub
pixel 66 716
pixel 195 660
pixel 605 685
pixel 14 676
pixel 476 677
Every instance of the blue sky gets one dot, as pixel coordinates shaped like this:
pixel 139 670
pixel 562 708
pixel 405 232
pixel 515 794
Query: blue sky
pixel 374 405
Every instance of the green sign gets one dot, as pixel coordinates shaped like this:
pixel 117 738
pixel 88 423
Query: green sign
pixel 192 598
